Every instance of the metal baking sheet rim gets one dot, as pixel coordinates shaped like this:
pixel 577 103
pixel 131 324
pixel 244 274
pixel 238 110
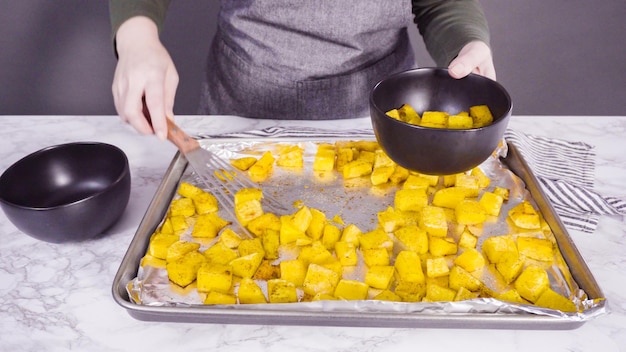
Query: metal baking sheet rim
pixel 209 314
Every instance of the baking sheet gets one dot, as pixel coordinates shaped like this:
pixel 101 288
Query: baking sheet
pixel 335 197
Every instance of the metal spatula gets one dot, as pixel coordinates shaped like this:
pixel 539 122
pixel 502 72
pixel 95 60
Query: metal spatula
pixel 218 176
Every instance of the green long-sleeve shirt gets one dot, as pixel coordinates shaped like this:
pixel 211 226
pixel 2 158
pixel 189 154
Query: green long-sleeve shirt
pixel 445 25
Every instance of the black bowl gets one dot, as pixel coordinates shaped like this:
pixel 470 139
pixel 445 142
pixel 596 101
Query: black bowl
pixel 68 192
pixel 438 151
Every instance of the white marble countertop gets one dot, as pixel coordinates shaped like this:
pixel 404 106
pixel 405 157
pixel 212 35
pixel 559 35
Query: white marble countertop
pixel 56 297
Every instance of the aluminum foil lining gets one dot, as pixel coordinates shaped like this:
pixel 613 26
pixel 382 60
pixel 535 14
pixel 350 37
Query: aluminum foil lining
pixel 357 202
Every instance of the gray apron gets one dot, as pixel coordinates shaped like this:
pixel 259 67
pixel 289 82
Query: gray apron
pixel 302 59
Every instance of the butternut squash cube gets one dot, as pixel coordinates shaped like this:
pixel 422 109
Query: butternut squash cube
pixel 409 267
pixel 434 119
pixel 315 253
pixel 470 260
pixel 302 218
pixel 492 203
pixel 469 183
pixel 433 220
pixel 208 225
pixel 243 163
pixel 248 211
pixel 293 270
pixel 407 114
pixel 215 297
pixel 351 234
pixel 381 159
pixel 289 232
pixel 502 192
pixel 290 156
pixel 263 167
pixel 205 203
pixel 271 244
pixel 535 248
pixel 553 300
pixel 510 270
pixel 159 244
pixel 376 238
pixel 357 168
pixel 247 265
pixel 448 197
pixel 400 174
pixel 390 219
pixel 183 270
pixel 245 195
pixel 379 276
pixel 351 290
pixel 532 282
pixel 410 199
pixel 500 249
pixel 368 156
pixel 214 277
pixel 375 257
pixel 442 246
pixel 481 115
pixel 467 240
pixel 394 114
pixel 410 291
pixel 219 253
pixel 437 293
pixel 249 292
pixel 344 156
pixel 316 226
pixel 483 180
pixel 459 122
pixel 387 295
pixel 324 158
pixel 470 212
pixel 346 253
pixel 416 182
pixel 463 294
pixel 263 223
pixel 413 238
pixel 525 216
pixel 182 207
pixel 187 190
pixel 331 235
pixel 460 277
pixel 166 227
pixel 380 175
pixel 319 279
pixel 281 291
pixel 180 248
pixel 252 245
pixel 179 224
pixel 437 267
pixel 511 296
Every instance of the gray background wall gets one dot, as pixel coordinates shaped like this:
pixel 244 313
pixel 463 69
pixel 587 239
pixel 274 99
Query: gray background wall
pixel 556 57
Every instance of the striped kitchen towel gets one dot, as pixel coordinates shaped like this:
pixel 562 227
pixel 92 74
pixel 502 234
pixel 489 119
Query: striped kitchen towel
pixel 565 170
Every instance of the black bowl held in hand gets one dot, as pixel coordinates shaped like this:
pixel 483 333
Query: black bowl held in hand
pixel 68 192
pixel 438 151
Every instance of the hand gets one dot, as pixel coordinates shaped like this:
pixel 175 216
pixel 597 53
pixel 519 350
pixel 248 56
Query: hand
pixel 474 57
pixel 144 70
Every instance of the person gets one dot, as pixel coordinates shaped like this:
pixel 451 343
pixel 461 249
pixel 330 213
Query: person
pixel 291 59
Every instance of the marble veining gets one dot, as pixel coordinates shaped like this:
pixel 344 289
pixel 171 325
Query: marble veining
pixel 57 297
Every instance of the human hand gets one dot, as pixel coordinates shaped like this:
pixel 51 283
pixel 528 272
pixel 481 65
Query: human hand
pixel 474 57
pixel 144 70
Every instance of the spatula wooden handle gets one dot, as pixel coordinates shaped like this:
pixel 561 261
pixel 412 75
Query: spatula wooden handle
pixel 182 140
pixel 178 137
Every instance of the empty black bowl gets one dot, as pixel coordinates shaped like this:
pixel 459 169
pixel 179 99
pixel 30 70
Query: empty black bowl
pixel 437 151
pixel 68 192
